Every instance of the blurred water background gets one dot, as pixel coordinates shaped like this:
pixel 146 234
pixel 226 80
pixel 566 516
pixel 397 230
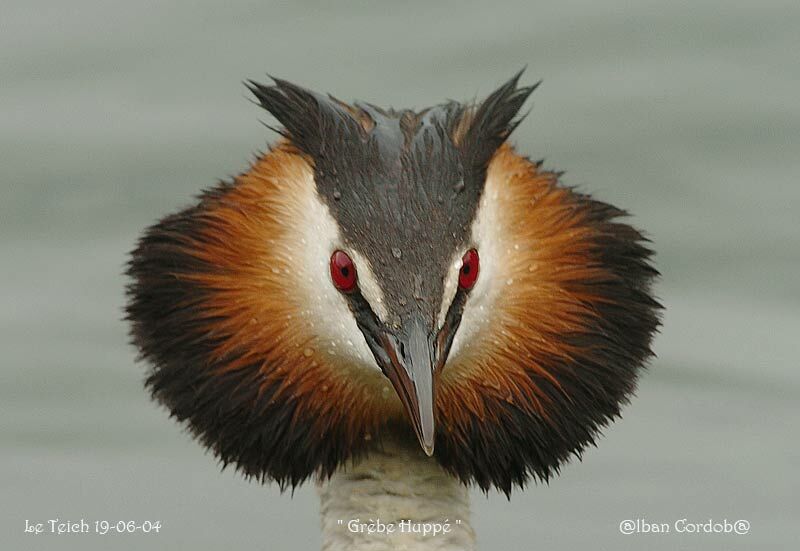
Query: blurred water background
pixel 113 114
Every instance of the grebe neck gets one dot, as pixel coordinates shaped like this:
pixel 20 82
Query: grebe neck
pixel 389 499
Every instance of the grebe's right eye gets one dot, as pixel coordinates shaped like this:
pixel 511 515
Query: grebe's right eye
pixel 343 271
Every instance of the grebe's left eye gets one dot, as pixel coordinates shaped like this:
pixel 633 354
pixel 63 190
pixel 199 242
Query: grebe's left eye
pixel 343 271
pixel 470 266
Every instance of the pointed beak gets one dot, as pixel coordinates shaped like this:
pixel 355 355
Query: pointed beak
pixel 412 360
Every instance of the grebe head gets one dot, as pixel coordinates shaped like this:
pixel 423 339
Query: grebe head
pixel 393 270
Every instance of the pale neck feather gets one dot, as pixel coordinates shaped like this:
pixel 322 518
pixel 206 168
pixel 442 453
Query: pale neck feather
pixel 393 484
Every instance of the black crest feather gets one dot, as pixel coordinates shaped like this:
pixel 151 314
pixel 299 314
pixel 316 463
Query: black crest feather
pixel 493 120
pixel 309 119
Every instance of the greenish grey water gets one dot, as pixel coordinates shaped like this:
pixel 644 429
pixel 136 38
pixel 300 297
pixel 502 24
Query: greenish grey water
pixel 685 113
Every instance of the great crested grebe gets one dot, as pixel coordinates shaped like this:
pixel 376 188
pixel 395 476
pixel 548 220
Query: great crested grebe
pixel 382 277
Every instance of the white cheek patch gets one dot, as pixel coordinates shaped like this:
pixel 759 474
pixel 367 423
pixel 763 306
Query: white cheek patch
pixel 368 285
pixel 450 288
pixel 326 310
pixel 486 239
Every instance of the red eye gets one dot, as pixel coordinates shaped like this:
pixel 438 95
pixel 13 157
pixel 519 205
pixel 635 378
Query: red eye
pixel 343 272
pixel 470 265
